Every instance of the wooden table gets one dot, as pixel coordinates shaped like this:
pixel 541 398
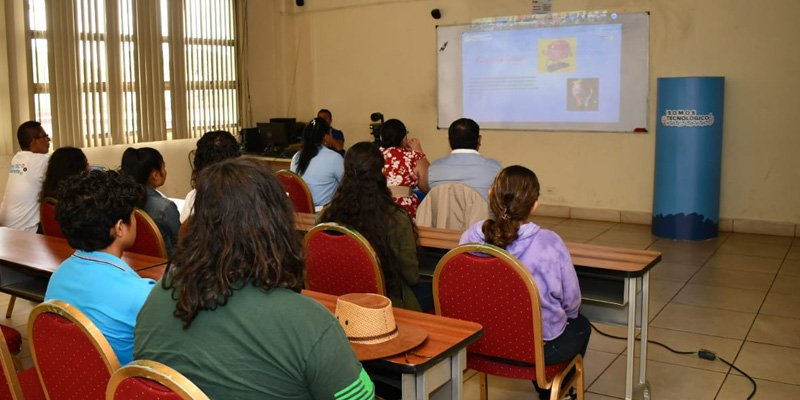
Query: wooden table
pixel 435 365
pixel 593 263
pixel 27 260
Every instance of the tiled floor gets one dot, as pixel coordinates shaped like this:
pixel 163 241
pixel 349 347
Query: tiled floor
pixel 737 295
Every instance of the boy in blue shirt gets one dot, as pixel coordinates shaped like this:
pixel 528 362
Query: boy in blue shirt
pixel 95 210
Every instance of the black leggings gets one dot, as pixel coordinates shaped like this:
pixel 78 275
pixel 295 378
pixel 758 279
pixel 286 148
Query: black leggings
pixel 571 342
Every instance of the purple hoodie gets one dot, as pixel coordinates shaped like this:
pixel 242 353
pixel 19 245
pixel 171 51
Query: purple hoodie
pixel 545 255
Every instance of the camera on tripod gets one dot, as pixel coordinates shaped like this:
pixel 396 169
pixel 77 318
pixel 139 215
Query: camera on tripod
pixel 376 125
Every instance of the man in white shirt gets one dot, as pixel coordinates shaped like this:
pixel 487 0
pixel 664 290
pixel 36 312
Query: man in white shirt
pixel 20 206
pixel 464 164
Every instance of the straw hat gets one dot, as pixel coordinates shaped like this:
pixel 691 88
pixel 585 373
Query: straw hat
pixel 368 322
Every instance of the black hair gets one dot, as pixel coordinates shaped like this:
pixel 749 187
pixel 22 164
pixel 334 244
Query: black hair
pixel 91 203
pixel 63 163
pixel 27 132
pixel 393 132
pixel 313 134
pixel 140 163
pixel 213 147
pixel 364 203
pixel 325 110
pixel 241 239
pixel 463 134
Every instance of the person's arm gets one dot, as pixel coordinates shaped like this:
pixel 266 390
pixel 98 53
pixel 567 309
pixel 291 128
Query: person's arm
pixel 405 248
pixel 422 174
pixel 334 372
pixel 570 288
pixel 421 164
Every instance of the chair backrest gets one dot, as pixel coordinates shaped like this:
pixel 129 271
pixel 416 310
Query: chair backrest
pixel 10 387
pixel 148 237
pixel 452 206
pixel 340 260
pixel 485 284
pixel 72 357
pixel 151 380
pixel 47 217
pixel 297 190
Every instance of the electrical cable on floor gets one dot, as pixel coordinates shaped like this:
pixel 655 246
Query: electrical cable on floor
pixel 702 353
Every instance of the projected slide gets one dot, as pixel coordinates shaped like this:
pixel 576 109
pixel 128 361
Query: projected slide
pixel 571 71
pixel 563 74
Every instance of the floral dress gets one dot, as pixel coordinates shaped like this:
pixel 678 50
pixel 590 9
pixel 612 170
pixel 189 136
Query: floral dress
pixel 398 166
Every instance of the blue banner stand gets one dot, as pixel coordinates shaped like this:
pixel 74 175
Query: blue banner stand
pixel 688 157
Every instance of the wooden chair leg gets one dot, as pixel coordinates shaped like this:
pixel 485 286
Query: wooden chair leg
pixel 484 386
pixel 10 308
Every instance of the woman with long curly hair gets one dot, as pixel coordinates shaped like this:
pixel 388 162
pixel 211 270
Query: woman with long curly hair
pixel 319 166
pixel 364 203
pixel 513 198
pixel 229 314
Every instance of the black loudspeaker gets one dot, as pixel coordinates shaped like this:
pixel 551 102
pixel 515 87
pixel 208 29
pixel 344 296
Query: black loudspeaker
pixel 299 2
pixel 436 14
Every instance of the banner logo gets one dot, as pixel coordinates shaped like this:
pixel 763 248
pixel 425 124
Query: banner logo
pixel 686 118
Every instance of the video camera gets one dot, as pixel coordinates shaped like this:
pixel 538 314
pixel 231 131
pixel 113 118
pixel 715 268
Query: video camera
pixel 376 125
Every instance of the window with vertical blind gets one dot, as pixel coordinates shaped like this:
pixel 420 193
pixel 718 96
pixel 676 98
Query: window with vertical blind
pixel 128 71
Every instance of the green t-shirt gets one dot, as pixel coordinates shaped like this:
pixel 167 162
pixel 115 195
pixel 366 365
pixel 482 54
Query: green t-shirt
pixel 277 344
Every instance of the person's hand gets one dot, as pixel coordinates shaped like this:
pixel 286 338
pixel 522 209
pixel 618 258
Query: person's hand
pixel 415 145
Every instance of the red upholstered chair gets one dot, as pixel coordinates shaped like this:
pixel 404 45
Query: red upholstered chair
pixel 339 261
pixel 297 190
pixel 47 217
pixel 148 238
pixel 13 339
pixel 150 380
pixel 17 385
pixel 73 358
pixel 487 285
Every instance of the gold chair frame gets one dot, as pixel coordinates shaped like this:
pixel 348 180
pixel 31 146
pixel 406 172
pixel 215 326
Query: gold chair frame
pixel 75 316
pixel 576 380
pixel 157 372
pixel 362 242
pixel 290 174
pixel 154 227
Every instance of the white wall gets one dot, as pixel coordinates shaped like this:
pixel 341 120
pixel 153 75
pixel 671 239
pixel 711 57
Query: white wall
pixel 360 56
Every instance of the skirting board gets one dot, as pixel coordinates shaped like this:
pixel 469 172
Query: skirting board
pixel 645 218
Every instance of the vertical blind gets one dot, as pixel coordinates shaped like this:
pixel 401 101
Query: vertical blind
pixel 128 71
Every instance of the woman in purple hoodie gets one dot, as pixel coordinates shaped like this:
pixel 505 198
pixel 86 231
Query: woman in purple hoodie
pixel 512 199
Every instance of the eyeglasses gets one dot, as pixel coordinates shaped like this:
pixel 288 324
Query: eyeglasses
pixel 43 137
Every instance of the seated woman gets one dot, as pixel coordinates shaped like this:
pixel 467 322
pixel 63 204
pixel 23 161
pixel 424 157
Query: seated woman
pixel 513 198
pixel 363 202
pixel 146 166
pixel 213 147
pixel 406 167
pixel 63 163
pixel 228 313
pixel 95 210
pixel 320 167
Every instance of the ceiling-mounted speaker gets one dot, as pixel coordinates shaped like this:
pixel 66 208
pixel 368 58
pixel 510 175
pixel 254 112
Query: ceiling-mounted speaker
pixel 299 2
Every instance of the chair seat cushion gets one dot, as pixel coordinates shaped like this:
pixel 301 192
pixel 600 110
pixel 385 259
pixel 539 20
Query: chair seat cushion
pixel 13 339
pixel 31 388
pixel 138 387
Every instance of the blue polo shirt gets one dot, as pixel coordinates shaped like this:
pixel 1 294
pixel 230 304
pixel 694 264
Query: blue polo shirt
pixel 323 174
pixel 107 290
